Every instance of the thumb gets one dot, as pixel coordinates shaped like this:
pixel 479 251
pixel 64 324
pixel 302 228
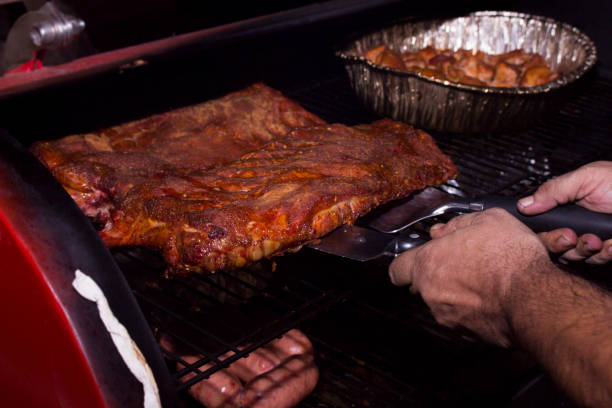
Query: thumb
pixel 554 192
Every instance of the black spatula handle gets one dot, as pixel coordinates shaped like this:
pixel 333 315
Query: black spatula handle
pixel 571 216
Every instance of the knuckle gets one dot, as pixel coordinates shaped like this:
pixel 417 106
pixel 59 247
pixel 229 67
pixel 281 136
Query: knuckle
pixel 264 365
pixel 463 220
pixel 298 342
pixel 443 315
pixel 546 189
pixel 495 212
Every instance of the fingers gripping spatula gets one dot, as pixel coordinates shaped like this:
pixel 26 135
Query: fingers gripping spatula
pixel 432 202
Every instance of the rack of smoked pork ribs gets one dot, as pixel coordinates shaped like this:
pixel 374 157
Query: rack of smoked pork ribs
pixel 227 182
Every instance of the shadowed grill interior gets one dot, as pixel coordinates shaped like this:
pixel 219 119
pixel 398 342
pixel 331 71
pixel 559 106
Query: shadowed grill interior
pixel 376 345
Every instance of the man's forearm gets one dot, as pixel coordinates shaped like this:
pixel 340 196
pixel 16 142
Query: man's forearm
pixel 566 323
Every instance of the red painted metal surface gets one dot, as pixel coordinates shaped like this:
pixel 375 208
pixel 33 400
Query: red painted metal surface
pixel 55 351
pixel 32 65
pixel 41 363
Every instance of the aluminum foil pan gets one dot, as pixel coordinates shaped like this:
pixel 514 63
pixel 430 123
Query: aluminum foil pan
pixel 454 107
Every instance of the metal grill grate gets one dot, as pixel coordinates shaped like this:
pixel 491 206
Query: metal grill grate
pixel 225 316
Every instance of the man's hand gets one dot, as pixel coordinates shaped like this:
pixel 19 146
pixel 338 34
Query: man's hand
pixel 466 273
pixel 589 186
pixel 279 374
pixel 489 273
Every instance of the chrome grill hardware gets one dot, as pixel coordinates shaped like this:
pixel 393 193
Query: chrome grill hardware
pixel 57 31
pixel 40 29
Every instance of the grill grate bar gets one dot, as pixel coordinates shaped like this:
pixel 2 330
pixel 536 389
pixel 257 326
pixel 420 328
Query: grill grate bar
pixel 374 368
pixel 185 285
pixel 190 324
pixel 501 152
pixel 334 101
pixel 191 282
pixel 355 382
pixel 298 316
pixel 138 264
pixel 292 315
pixel 239 353
pixel 285 290
pixel 227 352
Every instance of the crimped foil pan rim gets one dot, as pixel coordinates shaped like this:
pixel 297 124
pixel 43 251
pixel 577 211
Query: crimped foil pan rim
pixel 563 80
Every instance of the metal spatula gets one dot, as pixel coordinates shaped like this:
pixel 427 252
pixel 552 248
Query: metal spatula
pixel 363 244
pixel 433 202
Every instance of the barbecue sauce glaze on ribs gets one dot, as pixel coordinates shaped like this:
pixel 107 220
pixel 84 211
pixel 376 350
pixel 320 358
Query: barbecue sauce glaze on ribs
pixel 273 199
pixel 99 168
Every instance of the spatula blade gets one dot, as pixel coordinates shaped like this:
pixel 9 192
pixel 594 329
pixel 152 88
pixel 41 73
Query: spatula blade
pixel 405 213
pixel 357 243
pixel 363 244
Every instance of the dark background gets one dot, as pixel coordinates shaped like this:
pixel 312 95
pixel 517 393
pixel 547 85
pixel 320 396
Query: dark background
pixel 115 23
pixel 281 57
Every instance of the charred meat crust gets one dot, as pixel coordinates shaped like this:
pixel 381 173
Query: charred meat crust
pixel 306 179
